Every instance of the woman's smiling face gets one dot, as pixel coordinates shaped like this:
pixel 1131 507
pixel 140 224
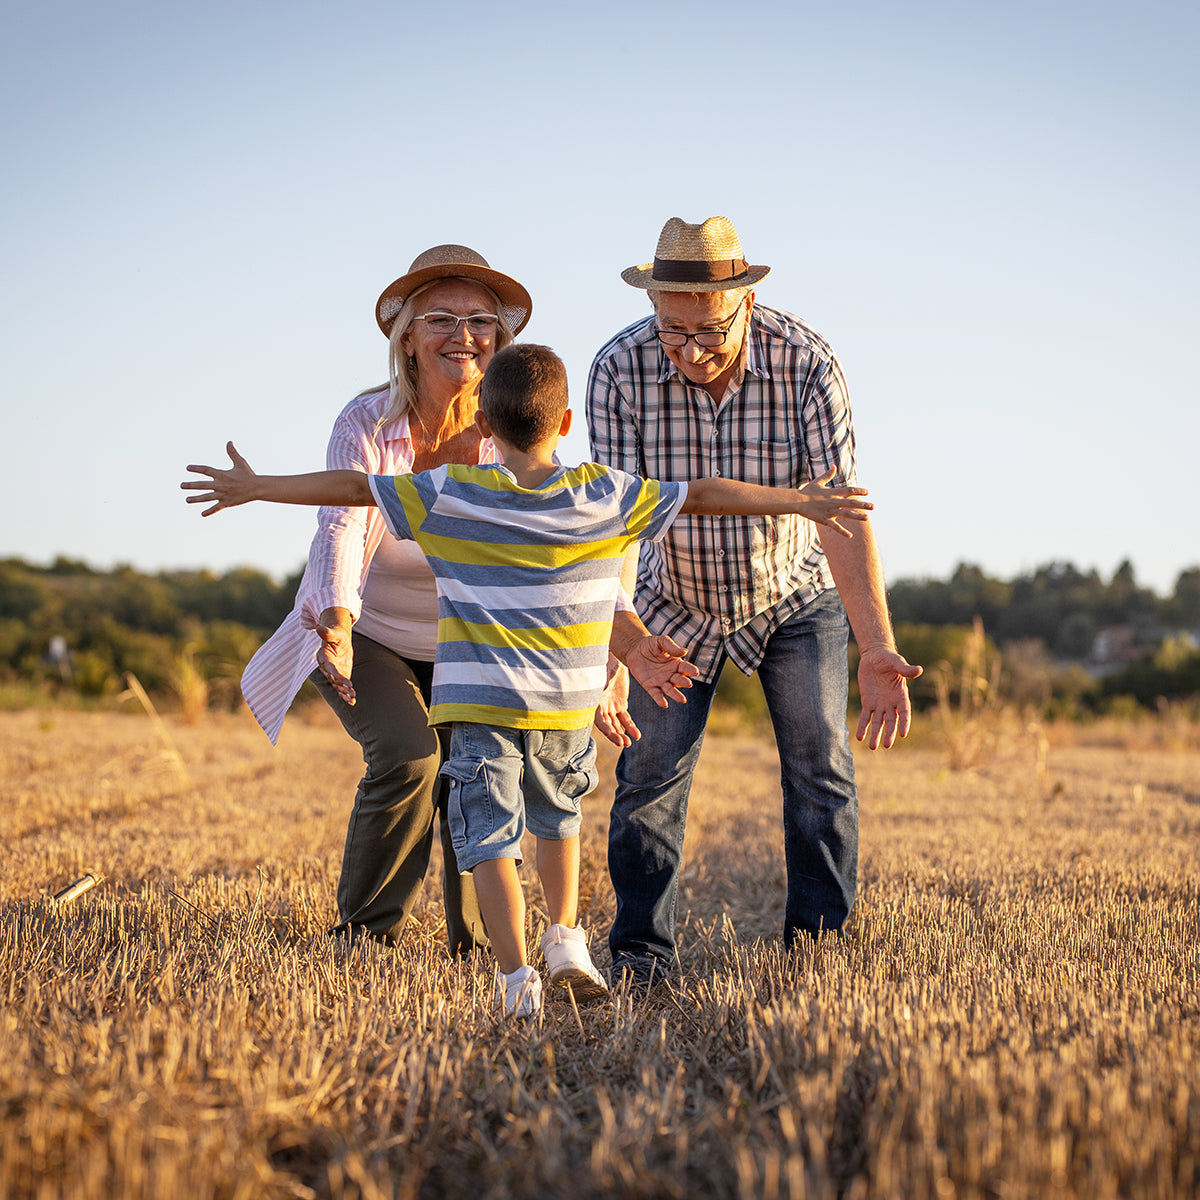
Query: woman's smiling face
pixel 461 357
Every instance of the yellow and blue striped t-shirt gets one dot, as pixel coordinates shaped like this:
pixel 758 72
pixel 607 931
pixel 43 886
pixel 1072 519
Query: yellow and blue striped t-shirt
pixel 527 581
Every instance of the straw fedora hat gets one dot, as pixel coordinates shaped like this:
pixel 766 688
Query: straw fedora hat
pixel 453 262
pixel 696 258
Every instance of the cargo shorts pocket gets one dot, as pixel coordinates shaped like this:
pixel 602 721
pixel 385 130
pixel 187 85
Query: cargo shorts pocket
pixel 469 803
pixel 579 776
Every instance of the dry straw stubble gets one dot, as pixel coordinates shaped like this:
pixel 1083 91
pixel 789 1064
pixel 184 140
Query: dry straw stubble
pixel 1015 1014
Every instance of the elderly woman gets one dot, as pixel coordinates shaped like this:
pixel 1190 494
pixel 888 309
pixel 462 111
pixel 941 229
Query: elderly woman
pixel 367 608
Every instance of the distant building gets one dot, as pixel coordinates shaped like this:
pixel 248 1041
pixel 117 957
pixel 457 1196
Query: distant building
pixel 1117 646
pixel 58 655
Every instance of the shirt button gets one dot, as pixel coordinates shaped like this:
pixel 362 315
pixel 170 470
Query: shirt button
pixel 716 473
pixel 720 553
pixel 724 620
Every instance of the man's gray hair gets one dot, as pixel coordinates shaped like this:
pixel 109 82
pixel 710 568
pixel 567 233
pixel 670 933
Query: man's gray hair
pixel 737 294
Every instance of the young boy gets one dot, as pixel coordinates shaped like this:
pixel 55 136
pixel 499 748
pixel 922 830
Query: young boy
pixel 527 558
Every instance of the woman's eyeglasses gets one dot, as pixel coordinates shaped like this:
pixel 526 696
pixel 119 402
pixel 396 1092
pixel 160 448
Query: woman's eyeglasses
pixel 478 324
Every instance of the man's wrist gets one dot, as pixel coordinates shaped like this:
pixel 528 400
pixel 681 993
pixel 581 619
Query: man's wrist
pixel 627 631
pixel 867 647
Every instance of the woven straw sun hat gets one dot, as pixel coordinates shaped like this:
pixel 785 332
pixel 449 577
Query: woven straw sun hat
pixel 453 262
pixel 696 258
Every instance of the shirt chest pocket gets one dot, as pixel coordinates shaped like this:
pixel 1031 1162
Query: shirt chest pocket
pixel 772 464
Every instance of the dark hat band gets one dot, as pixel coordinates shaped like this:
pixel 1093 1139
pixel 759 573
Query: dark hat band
pixel 695 270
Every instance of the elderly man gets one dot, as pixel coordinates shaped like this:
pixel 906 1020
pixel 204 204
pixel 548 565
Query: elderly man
pixel 713 384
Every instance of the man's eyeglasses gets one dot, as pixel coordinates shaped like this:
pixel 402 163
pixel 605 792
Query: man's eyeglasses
pixel 708 338
pixel 478 324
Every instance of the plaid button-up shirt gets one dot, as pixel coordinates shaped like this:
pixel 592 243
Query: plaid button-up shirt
pixel 726 583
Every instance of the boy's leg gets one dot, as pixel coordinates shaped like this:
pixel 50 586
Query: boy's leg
pixel 518 985
pixel 558 869
pixel 502 902
pixel 564 945
pixel 560 769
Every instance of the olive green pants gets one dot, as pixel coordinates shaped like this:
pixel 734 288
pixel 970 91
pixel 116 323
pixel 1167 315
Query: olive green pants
pixel 390 834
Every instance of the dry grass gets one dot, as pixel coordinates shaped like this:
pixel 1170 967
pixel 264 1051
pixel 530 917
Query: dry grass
pixel 1016 1015
pixel 190 688
pixel 970 712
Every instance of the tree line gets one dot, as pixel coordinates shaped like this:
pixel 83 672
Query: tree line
pixel 1069 640
pixel 1057 604
pixel 71 626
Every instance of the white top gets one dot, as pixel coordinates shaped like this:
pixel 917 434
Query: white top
pixel 399 601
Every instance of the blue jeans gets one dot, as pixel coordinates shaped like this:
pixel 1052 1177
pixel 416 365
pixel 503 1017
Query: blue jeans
pixel 804 680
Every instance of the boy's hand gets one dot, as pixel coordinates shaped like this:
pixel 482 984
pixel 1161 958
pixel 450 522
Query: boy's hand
pixel 828 505
pixel 612 717
pixel 658 664
pixel 228 488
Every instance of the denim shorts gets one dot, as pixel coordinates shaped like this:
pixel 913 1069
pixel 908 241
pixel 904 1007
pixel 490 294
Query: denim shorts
pixel 504 780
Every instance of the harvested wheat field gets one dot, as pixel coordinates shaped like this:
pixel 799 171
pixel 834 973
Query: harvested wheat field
pixel 1016 1013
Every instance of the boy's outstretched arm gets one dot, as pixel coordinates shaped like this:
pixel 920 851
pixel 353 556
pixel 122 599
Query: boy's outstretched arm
pixel 815 500
pixel 240 485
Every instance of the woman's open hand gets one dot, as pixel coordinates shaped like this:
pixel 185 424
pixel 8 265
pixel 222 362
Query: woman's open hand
pixel 335 655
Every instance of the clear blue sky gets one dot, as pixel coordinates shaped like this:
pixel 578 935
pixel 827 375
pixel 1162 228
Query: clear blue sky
pixel 989 210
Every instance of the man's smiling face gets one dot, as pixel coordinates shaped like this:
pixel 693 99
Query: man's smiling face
pixel 690 313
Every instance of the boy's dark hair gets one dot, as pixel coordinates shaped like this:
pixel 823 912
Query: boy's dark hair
pixel 524 394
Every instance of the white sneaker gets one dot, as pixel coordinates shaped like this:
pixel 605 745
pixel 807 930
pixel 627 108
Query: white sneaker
pixel 570 965
pixel 520 994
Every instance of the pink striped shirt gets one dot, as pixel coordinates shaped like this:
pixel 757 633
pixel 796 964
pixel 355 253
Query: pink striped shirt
pixel 338 559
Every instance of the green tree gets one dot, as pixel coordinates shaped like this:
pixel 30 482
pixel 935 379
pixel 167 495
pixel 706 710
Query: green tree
pixel 21 592
pixel 1184 605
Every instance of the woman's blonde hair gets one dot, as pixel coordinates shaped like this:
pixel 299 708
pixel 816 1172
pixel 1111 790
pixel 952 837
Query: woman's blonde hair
pixel 402 367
